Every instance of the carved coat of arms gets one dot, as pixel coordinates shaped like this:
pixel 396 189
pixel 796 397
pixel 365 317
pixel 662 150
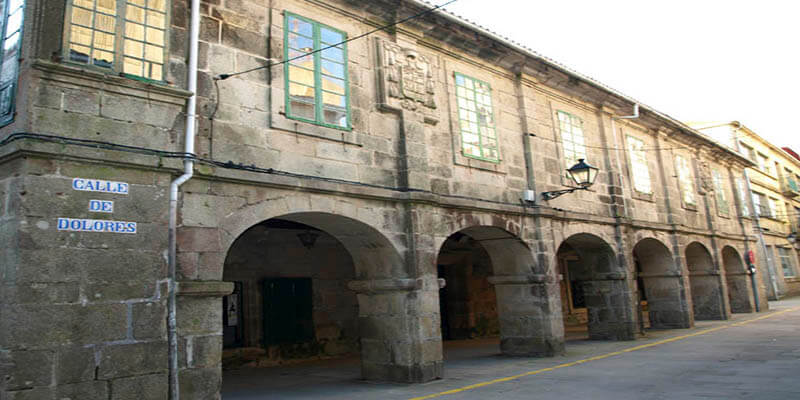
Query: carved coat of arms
pixel 407 75
pixel 705 179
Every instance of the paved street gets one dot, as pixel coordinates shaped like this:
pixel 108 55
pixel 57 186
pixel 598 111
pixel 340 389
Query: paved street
pixel 752 356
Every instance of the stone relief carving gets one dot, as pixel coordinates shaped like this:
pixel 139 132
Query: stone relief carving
pixel 407 76
pixel 704 178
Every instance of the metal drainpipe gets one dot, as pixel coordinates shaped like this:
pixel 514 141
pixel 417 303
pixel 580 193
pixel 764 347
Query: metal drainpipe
pixel 760 235
pixel 188 171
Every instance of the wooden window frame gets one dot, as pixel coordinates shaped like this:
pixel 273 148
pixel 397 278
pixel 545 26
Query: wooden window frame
pixel 319 118
pixel 118 65
pixel 491 127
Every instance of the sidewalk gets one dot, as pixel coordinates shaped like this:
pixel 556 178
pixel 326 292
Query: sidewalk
pixel 466 362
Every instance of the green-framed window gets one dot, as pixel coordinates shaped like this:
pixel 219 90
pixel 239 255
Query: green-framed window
pixel 317 87
pixel 685 180
pixel 719 190
pixel 476 119
pixel 125 36
pixel 572 140
pixel 11 24
pixel 639 169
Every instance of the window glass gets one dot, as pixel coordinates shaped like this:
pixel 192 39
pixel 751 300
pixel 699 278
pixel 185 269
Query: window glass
pixel 11 14
pixel 719 190
pixel 476 118
pixel 316 74
pixel 572 140
pixel 787 263
pixel 742 193
pixel 639 167
pixel 685 180
pixel 94 36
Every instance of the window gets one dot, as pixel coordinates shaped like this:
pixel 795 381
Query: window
pixel 749 152
pixel 786 262
pixel 685 180
pixel 317 88
pixel 571 128
pixel 11 24
pixel 126 36
pixel 789 180
pixel 742 192
pixel 476 118
pixel 763 163
pixel 719 189
pixel 641 173
pixel 760 205
pixel 773 208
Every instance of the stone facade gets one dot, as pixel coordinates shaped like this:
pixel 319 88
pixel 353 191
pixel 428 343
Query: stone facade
pixel 775 179
pixel 390 203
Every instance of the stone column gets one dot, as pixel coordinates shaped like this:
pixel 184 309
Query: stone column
pixel 610 316
pixel 199 317
pixel 529 326
pixel 399 324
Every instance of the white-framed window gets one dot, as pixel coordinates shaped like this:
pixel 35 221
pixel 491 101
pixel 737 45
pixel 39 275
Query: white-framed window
pixel 761 205
pixel 572 140
pixel 773 208
pixel 639 169
pixel 124 36
pixel 763 164
pixel 719 190
pixel 741 189
pixel 685 180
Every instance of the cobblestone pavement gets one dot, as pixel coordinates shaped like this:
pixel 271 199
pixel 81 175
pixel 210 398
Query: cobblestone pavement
pixel 751 356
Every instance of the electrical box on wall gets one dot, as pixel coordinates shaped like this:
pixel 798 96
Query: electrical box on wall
pixel 529 196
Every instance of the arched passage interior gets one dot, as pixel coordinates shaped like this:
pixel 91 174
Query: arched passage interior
pixel 704 283
pixel 595 282
pixel 294 275
pixel 736 278
pixel 661 290
pixel 493 290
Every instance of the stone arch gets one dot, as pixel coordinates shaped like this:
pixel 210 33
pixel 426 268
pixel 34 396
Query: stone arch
pixel 739 290
pixel 380 284
pixel 593 270
pixel 523 308
pixel 704 283
pixel 660 279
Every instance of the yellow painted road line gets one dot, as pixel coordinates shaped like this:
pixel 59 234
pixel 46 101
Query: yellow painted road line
pixel 600 357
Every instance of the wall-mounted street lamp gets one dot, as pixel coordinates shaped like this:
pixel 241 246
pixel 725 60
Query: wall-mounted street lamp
pixel 582 173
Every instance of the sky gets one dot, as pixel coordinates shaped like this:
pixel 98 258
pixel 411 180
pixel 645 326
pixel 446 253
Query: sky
pixel 699 60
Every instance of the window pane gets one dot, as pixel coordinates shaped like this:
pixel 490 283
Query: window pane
pixel 103 58
pixel 9 69
pixel 155 71
pixel 155 36
pixel 79 53
pixel 330 37
pixel 134 31
pixel 154 54
pixel 81 17
pixel 301 91
pixel 300 26
pixel 334 100
pixel 107 6
pixel 333 69
pixel 333 85
pixel 138 2
pixel 84 3
pixel 334 54
pixel 155 19
pixel 156 5
pixel 135 14
pixel 105 23
pixel 301 109
pixel 134 48
pixel 301 43
pixel 81 36
pixel 335 116
pixel 133 66
pixel 103 41
pixel 301 75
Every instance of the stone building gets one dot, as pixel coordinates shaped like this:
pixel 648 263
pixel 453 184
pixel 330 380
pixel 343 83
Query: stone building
pixel 774 183
pixel 348 198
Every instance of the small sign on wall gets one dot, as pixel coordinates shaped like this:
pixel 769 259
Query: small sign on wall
pixel 98 206
pixel 95 225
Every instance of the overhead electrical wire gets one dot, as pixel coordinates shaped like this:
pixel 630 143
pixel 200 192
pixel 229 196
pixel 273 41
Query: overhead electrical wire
pixel 222 77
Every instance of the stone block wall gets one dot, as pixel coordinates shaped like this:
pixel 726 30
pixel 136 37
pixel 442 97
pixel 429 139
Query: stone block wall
pixel 83 313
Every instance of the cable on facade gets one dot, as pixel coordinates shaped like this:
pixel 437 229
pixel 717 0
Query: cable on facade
pixel 96 144
pixel 222 77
